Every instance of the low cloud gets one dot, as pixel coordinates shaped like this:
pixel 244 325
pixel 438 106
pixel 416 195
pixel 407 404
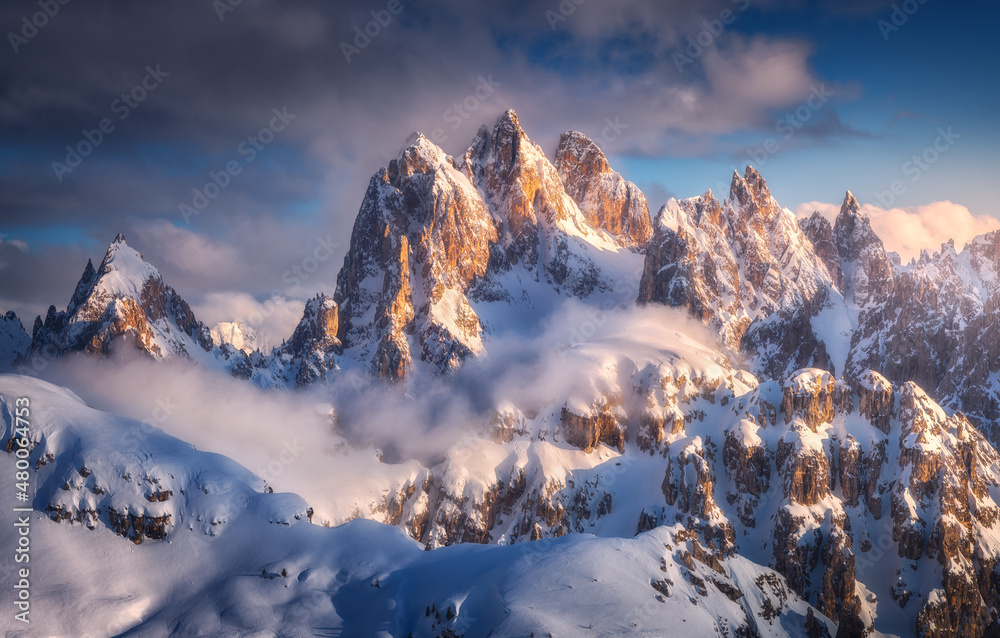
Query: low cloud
pixel 911 229
pixel 576 345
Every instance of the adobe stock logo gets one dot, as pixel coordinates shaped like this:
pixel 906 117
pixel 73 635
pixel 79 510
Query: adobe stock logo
pixel 248 150
pixel 122 107
pixel 363 35
pixel 787 125
pixel 39 20
pixel 916 166
pixel 900 15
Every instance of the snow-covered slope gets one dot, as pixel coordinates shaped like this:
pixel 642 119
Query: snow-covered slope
pixel 230 558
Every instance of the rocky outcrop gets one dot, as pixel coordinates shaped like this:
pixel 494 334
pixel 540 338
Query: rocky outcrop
pixel 803 465
pixel 851 472
pixel 314 341
pixel 748 467
pixel 586 432
pixel 813 533
pixel 875 399
pixel 136 528
pixel 689 487
pixel 815 397
pixel 820 232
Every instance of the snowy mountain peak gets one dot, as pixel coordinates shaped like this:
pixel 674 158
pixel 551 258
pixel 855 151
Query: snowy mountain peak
pixel 125 299
pixel 851 203
pixel 508 139
pixel 747 270
pixel 756 182
pixel 752 199
pixel 238 335
pixel 853 229
pixel 420 156
pixel 867 268
pixel 124 271
pixel 851 207
pixel 508 122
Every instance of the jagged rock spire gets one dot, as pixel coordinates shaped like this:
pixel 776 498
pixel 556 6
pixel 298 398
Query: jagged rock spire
pixel 851 204
pixel 749 193
pixel 858 245
pixel 576 151
pixel 853 229
pixel 84 286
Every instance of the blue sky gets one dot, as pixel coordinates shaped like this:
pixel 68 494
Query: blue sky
pixel 560 65
pixel 938 70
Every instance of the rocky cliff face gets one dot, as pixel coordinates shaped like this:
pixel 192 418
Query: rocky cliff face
pixel 605 198
pixel 820 232
pixel 830 538
pixel 420 241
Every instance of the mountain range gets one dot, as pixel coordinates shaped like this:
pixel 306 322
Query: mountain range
pixel 823 464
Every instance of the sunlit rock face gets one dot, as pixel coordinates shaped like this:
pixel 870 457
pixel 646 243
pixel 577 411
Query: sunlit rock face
pixel 606 199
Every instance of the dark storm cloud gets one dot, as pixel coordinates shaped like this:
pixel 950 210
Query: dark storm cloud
pixel 32 280
pixel 216 80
